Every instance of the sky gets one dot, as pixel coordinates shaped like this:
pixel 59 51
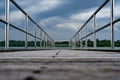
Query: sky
pixel 61 19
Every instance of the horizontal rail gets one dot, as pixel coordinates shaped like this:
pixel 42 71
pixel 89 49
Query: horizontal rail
pixel 101 28
pixel 13 1
pixel 106 1
pixel 26 14
pixel 18 28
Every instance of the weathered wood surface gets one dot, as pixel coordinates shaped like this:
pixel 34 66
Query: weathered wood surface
pixel 59 65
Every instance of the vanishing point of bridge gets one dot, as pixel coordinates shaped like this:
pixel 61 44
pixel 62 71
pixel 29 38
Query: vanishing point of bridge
pixel 79 62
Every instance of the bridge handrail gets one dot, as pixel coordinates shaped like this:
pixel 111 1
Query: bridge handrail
pixel 92 16
pixel 111 24
pixel 47 39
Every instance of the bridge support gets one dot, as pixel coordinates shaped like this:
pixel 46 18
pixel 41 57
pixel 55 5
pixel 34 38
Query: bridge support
pixel 81 39
pixel 94 31
pixel 26 29
pixel 40 38
pixel 7 24
pixel 35 35
pixel 86 45
pixel 78 41
pixel 44 40
pixel 112 25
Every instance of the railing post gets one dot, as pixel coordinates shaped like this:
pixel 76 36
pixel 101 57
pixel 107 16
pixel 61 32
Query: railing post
pixel 48 42
pixel 112 26
pixel 44 40
pixel 7 25
pixel 81 39
pixel 35 34
pixel 75 41
pixel 86 36
pixel 94 31
pixel 26 29
pixel 78 41
pixel 40 38
pixel 70 44
pixel 51 45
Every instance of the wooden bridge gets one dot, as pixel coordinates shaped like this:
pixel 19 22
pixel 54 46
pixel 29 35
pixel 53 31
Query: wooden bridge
pixel 59 65
pixel 45 62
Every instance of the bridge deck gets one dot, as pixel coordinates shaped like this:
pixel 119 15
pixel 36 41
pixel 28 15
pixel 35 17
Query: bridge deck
pixel 59 65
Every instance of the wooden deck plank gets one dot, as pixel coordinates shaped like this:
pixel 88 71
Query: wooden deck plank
pixel 65 65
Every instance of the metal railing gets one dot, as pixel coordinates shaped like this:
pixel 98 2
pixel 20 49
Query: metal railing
pixel 77 40
pixel 44 40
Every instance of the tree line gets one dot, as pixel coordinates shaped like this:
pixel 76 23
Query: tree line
pixel 100 43
pixel 14 43
pixel 90 43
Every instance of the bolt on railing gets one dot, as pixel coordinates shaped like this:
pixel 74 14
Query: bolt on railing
pixel 111 24
pixel 47 40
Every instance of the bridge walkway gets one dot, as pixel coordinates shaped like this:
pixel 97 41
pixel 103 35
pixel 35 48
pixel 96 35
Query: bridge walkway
pixel 59 65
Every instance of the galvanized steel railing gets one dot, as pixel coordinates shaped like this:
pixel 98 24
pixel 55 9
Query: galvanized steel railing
pixel 46 40
pixel 78 38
